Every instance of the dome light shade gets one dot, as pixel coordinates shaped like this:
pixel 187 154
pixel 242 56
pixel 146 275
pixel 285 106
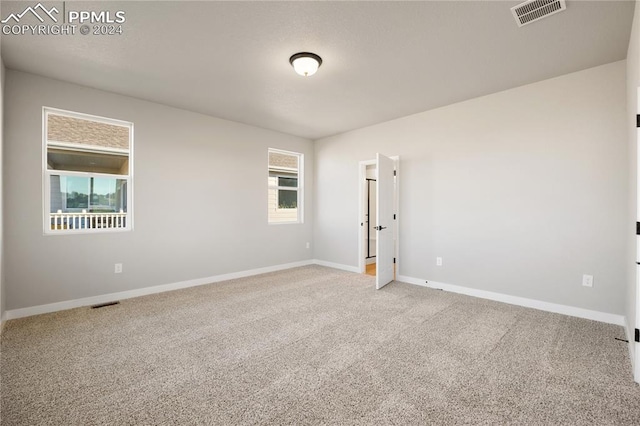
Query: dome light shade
pixel 305 63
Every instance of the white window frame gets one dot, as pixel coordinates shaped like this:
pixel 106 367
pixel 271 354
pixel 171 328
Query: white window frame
pixel 46 173
pixel 298 189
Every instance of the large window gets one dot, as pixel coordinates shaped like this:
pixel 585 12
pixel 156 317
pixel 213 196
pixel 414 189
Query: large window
pixel 285 187
pixel 87 163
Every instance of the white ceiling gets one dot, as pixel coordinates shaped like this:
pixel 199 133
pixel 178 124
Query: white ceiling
pixel 382 60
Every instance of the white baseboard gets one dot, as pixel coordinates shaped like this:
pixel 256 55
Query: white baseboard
pixel 514 300
pixel 520 301
pixel 105 298
pixel 337 266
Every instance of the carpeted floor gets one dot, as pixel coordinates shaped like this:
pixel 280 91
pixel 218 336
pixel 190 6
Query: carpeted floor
pixel 313 345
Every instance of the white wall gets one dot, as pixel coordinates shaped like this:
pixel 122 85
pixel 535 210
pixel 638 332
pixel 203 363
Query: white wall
pixel 633 81
pixel 200 194
pixel 521 192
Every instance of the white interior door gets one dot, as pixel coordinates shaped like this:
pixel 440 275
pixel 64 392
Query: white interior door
pixel 635 326
pixel 384 214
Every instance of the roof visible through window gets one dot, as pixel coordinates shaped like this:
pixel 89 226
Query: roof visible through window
pixel 283 161
pixel 86 132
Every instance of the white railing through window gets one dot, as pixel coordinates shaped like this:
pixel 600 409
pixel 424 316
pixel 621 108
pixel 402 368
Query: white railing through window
pixel 85 220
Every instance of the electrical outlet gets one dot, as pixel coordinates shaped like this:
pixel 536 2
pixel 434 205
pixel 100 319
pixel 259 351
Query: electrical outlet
pixel 118 268
pixel 308 245
pixel 438 261
pixel 587 280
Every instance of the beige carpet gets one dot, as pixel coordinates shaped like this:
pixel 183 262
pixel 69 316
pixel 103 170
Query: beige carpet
pixel 313 345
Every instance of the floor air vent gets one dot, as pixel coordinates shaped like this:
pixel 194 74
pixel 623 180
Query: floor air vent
pixel 534 10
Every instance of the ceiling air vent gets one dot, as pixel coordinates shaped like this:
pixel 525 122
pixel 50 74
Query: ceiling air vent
pixel 534 10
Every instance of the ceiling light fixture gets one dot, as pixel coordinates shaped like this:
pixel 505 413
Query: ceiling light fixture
pixel 305 63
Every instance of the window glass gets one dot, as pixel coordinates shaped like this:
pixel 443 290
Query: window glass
pixel 76 193
pixel 288 181
pixel 287 199
pixel 285 188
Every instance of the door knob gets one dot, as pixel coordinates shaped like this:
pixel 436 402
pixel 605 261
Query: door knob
pixel 380 228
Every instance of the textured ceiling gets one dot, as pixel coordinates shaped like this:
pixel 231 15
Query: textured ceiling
pixel 382 60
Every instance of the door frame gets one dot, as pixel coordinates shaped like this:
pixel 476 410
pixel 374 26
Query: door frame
pixel 362 208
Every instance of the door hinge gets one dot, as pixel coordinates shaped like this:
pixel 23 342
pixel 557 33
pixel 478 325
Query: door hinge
pixel 394 173
pixel 394 261
pixel 394 216
pixel 637 339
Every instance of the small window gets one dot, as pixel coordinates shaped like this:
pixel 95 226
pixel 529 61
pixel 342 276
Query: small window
pixel 285 187
pixel 87 173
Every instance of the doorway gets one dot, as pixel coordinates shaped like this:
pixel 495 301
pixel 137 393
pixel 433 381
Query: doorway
pixel 379 220
pixel 370 221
